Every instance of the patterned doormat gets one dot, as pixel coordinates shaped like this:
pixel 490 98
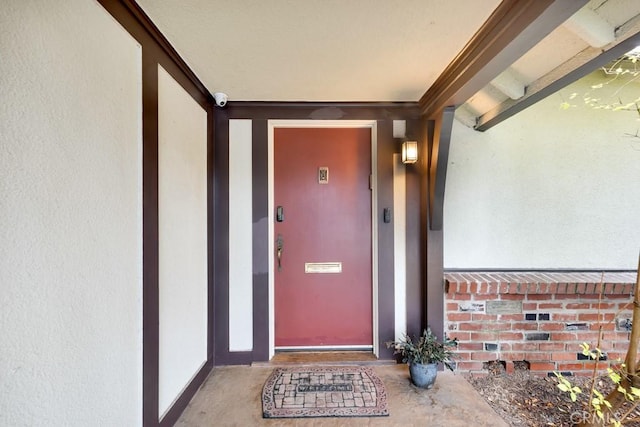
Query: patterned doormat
pixel 336 391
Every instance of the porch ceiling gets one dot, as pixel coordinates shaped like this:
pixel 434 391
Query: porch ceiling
pixel 370 50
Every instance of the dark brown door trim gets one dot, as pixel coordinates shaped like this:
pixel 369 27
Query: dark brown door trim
pixel 260 113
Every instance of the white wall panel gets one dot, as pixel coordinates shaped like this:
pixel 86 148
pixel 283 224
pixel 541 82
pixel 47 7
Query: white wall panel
pixel 182 212
pixel 240 236
pixel 400 245
pixel 70 217
pixel 547 188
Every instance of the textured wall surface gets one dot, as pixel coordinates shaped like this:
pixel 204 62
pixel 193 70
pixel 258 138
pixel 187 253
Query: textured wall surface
pixel 182 212
pixel 70 217
pixel 547 188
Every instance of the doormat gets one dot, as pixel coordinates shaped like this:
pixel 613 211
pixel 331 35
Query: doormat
pixel 335 391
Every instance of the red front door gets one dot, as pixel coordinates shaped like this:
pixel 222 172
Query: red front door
pixel 323 285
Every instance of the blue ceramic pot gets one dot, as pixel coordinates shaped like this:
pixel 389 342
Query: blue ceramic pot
pixel 423 375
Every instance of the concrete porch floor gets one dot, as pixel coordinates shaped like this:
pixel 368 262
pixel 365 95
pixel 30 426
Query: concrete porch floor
pixel 231 396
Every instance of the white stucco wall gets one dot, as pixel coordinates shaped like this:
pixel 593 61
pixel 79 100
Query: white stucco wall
pixel 547 188
pixel 70 217
pixel 182 217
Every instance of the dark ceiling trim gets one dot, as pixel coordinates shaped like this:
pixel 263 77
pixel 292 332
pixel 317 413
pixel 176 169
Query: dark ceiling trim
pixel 316 104
pixel 511 107
pixel 513 28
pixel 161 41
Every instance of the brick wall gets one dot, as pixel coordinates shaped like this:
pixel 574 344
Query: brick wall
pixel 540 318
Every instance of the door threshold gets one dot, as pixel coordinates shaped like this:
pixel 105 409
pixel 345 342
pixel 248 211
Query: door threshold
pixel 324 357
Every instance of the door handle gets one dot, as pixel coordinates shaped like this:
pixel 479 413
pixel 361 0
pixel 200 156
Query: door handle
pixel 279 249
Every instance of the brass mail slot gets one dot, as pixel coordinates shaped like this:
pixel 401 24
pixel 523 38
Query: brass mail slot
pixel 323 267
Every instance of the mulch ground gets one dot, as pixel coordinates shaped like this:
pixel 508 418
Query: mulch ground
pixel 523 399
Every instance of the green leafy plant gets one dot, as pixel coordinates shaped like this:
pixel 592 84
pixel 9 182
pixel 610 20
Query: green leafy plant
pixel 426 349
pixel 600 410
pixel 618 405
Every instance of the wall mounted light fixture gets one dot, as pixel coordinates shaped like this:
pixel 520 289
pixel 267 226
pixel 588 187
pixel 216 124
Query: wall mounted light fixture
pixel 409 152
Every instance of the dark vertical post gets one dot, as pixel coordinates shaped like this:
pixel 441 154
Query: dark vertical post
pixel 261 244
pixel 150 255
pixel 434 171
pixel 416 296
pixel 386 313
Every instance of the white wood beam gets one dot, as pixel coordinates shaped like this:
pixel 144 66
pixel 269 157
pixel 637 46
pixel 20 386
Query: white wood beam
pixel 591 27
pixel 508 83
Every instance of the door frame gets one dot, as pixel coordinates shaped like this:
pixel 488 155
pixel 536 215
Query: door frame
pixel 373 126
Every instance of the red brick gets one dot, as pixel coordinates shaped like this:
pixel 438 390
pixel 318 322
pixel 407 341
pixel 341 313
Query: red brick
pixel 551 327
pixel 516 317
pixel 496 326
pixel 485 356
pixel 621 345
pixel 616 356
pixel 537 355
pixel 552 346
pixel 565 297
pixel 590 297
pixel 511 297
pixel 524 346
pixel 485 297
pixel 462 297
pixel 581 288
pixel 470 326
pixel 615 336
pixel 538 297
pixel 542 366
pixel 563 356
pixel 594 317
pixel 577 306
pixel 473 288
pixel 543 288
pixel 553 288
pixel 603 327
pixel 564 366
pixel 512 355
pixel 458 317
pixel 452 306
pixel 525 326
pixel 463 355
pixel 564 317
pixel 484 336
pixel 462 336
pixel 484 317
pixel 618 296
pixel 510 368
pixel 603 305
pixel 625 306
pixel 549 305
pixel 529 306
pixel 510 336
pixel 470 346
pixel 563 336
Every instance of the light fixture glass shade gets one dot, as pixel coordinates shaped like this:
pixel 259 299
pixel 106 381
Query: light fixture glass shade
pixel 409 151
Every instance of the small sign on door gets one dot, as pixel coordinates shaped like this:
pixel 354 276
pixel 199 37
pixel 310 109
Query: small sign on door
pixel 323 175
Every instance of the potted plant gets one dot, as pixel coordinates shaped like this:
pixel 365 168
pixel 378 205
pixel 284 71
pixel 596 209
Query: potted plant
pixel 424 355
